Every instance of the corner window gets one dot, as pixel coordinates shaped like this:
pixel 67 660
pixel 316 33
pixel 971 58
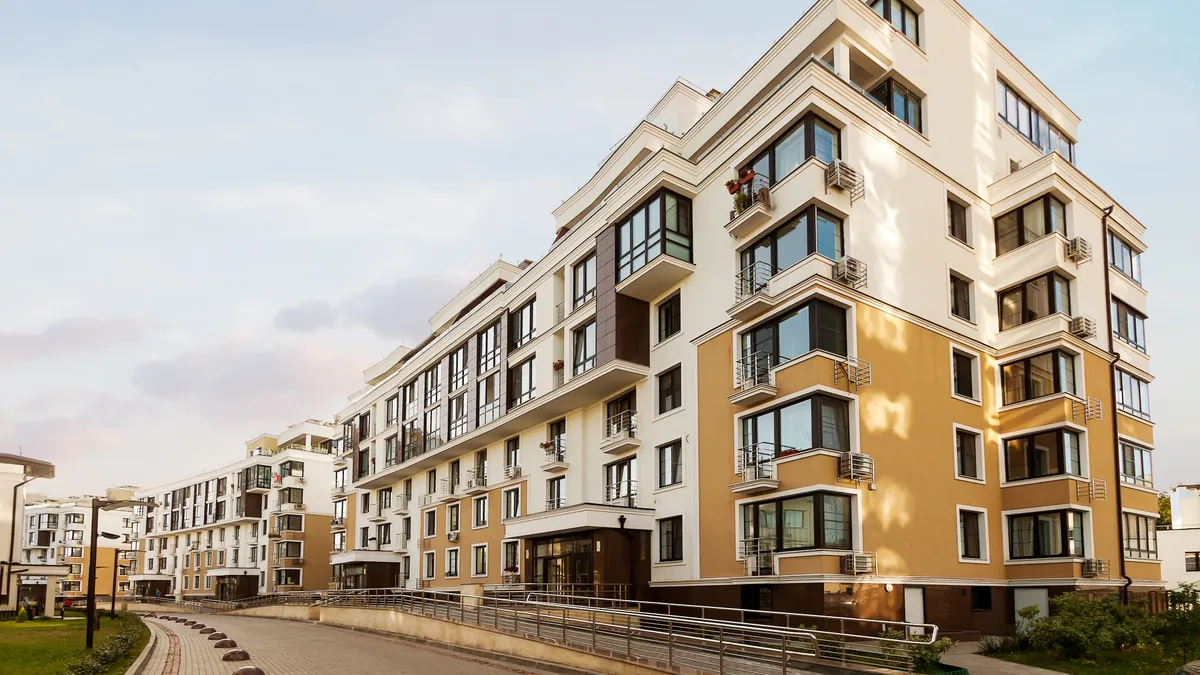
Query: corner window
pixel 670 390
pixel 1034 299
pixel 669 317
pixel 814 325
pixel 584 342
pixel 670 539
pixel 1031 124
pixel 520 325
pixel 661 225
pixel 1141 536
pixel 1133 395
pixel 458 368
pixel 1037 376
pixel 968 454
pixel 816 422
pixel 1124 258
pixel 1136 465
pixel 584 284
pixel 966 374
pixel 961 292
pixel 1129 325
pixel 811 231
pixel 902 103
pixel 901 16
pixel 1049 534
pixel 817 520
pixel 1048 453
pixel 956 217
pixel 1026 224
pixel 810 137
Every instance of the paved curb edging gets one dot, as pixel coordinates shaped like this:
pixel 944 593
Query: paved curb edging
pixel 140 663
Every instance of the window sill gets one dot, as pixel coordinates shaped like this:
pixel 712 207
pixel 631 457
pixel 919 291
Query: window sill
pixel 1141 417
pixel 965 322
pixel 1042 479
pixel 964 399
pixel 1035 401
pixel 1153 561
pixel 968 479
pixel 974 561
pixel 1043 561
pixel 1139 488
pixel 1138 348
pixel 960 242
pixel 669 488
pixel 669 413
pixel 1137 284
pixel 667 340
pixel 1062 238
pixel 670 563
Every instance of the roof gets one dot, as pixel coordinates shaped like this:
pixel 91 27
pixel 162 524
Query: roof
pixel 34 468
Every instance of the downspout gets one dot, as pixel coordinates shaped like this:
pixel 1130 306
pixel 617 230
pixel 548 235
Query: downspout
pixel 1112 381
pixel 12 541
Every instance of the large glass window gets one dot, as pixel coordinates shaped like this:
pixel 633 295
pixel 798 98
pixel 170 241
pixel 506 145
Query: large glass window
pixel 1136 466
pixel 520 325
pixel 811 231
pixel 433 428
pixel 1034 299
pixel 814 325
pixel 1037 376
pixel 899 100
pixel 901 16
pixel 584 284
pixel 810 137
pixel 520 383
pixel 487 399
pixel 1133 395
pixel 1048 453
pixel 1124 258
pixel 431 380
pixel 584 341
pixel 1141 536
pixel 488 346
pixel 458 416
pixel 1031 124
pixel 661 225
pixel 1048 534
pixel 1129 325
pixel 1028 223
pixel 816 422
pixel 411 402
pixel 392 408
pixel 458 368
pixel 816 520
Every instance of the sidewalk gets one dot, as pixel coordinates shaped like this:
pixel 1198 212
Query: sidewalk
pixel 963 655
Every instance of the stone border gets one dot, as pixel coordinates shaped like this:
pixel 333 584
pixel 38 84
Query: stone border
pixel 140 663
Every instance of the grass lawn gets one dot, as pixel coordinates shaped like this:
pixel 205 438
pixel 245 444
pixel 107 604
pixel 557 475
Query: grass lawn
pixel 44 647
pixel 1132 662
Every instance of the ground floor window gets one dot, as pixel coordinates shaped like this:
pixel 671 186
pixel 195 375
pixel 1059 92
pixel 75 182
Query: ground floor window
pixel 563 560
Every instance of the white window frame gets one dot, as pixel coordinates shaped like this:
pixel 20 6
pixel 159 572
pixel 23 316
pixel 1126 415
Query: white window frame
pixel 984 540
pixel 504 502
pixel 980 460
pixel 425 532
pixel 518 543
pixel 429 570
pixel 486 563
pixel 475 510
pixel 458 555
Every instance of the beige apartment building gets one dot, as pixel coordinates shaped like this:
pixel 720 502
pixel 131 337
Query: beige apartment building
pixel 857 336
pixel 258 525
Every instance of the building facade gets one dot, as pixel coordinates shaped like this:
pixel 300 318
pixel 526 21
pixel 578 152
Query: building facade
pixel 259 525
pixel 58 532
pixel 16 472
pixel 856 337
pixel 1179 545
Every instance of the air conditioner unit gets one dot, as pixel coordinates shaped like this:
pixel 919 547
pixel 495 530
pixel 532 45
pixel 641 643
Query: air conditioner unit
pixel 452 535
pixel 858 563
pixel 850 271
pixel 1079 250
pixel 1093 568
pixel 298 507
pixel 302 481
pixel 1083 326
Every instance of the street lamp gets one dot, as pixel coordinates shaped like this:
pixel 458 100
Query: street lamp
pixel 106 505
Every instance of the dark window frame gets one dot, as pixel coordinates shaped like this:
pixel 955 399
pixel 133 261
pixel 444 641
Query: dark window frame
pixel 1047 222
pixel 1040 135
pixel 1122 315
pixel 1124 258
pixel 808 125
pixel 956 214
pixel 670 316
pixel 670 539
pixel 819 539
pixel 1031 465
pixel 961 459
pixel 959 296
pixel 889 88
pixel 431 384
pixel 1139 536
pixel 458 368
pixel 1126 382
pixel 818 310
pixel 522 324
pixel 810 213
pixel 488 348
pixel 1058 372
pixel 883 8
pixel 670 389
pixel 586 269
pixel 957 356
pixel 654 243
pixel 1065 540
pixel 670 472
pixel 965 550
pixel 1052 299
pixel 583 359
pixel 817 403
pixel 1137 464
pixel 526 370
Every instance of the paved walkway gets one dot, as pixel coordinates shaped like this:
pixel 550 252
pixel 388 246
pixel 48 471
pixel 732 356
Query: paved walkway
pixel 963 655
pixel 293 648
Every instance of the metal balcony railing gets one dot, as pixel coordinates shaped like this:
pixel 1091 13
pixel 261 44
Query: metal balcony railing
pixel 623 493
pixel 757 461
pixel 754 370
pixel 620 426
pixel 555 503
pixel 752 280
pixel 476 478
pixel 556 450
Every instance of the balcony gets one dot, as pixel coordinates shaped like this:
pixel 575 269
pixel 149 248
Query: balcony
pixel 290 506
pixel 378 515
pixel 450 491
pixel 758 553
pixel 556 455
pixel 289 481
pixel 400 504
pixel 292 535
pixel 554 503
pixel 340 489
pixel 755 468
pixel 752 295
pixel 291 562
pixel 337 524
pixel 511 472
pixel 752 379
pixel 364 555
pixel 752 207
pixel 655 277
pixel 477 482
pixel 427 500
pixel 621 494
pixel 620 433
pixel 341 460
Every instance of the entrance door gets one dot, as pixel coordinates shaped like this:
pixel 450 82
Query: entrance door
pixel 914 607
pixel 1026 597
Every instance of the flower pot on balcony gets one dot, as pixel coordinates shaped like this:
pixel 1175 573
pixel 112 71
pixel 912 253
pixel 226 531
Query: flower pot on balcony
pixel 558 365
pixel 747 176
pixel 732 185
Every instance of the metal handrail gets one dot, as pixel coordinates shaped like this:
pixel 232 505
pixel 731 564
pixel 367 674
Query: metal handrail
pixel 757 460
pixel 754 369
pixel 621 425
pixel 753 279
pixel 621 493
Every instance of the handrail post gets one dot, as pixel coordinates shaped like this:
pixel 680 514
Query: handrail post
pixel 593 631
pixel 670 643
pixel 784 653
pixel 538 621
pixel 721 649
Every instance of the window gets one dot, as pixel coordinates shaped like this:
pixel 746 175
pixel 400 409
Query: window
pixel 290 522
pixel 670 539
pixel 1135 465
pixel 480 508
pixel 511 557
pixel 430 523
pixel 1037 376
pixel 389 452
pixel 364 426
pixel 479 566
pixel 392 408
pixel 512 503
pixel 1141 537
pixel 669 317
pixel 961 296
pixel 433 428
pixel 409 392
pixel 1047 453
pixel 981 598
pixel 620 482
pixel 432 383
pixel 814 325
pixel 663 224
pixel 1133 395
pixel 520 325
pixel 287 577
pixel 670 464
pixel 520 384
pixel 290 496
pixel 287 549
pixel 339 543
pixel 430 561
pixel 458 415
pixel 1048 534
pixel 384 534
pixel 670 390
pixel 452 521
pixel 584 341
pixel 1026 224
pixel 901 16
pixel 815 520
pixel 897 99
pixel 458 368
pixel 1191 562
pixel 487 400
pixel 1034 299
pixel 488 343
pixel 451 562
pixel 512 452
pixel 1028 122
pixel 556 491
pixel 819 421
pixel 339 511
pixel 972 543
pixel 965 378
pixel 1124 258
pixel 811 231
pixel 1129 325
pixel 968 454
pixel 385 499
pixel 810 137
pixel 584 285
pixel 365 502
pixel 956 215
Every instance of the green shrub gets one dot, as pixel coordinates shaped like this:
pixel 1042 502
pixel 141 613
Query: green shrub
pixel 129 631
pixel 1178 628
pixel 1081 627
pixel 22 615
pixel 924 653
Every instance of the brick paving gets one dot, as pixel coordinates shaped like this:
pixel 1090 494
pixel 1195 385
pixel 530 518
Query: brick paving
pixel 292 648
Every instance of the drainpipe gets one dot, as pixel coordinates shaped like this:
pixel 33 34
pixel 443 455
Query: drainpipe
pixel 6 578
pixel 1112 380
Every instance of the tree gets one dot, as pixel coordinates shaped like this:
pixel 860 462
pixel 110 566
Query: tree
pixel 1164 510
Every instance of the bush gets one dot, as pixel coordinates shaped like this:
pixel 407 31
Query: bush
pixel 22 615
pixel 1082 627
pixel 924 654
pixel 130 631
pixel 1179 627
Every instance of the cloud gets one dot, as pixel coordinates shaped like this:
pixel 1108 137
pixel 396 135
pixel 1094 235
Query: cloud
pixel 65 337
pixel 239 382
pixel 307 316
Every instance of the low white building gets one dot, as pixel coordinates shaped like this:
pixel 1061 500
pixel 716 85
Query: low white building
pixel 1179 547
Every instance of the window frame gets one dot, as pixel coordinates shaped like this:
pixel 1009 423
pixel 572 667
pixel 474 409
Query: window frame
pixel 810 214
pixel 670 392
pixel 587 267
pixel 817 307
pixel 431 385
pixel 475 560
pixel 1141 459
pixel 653 244
pixel 1065 540
pixel 522 324
pixel 674 475
pixel 1129 256
pixel 1061 448
pixel 1035 119
pixel 952 222
pixel 1062 385
pixel 968 298
pixel 1122 314
pixel 807 126
pixel 488 348
pixel 982 556
pixel 453 563
pixel 818 528
pixel 476 523
pixel 975 373
pixel 1048 228
pixel 978 451
pixel 458 368
pixel 670 317
pixel 1052 299
pixel 889 87
pixel 883 9
pixel 583 360
pixel 516 501
pixel 817 400
pixel 525 370
pixel 674 537
pixel 1126 383
pixel 1141 530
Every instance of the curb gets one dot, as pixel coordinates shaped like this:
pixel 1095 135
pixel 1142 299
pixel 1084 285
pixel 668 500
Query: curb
pixel 140 664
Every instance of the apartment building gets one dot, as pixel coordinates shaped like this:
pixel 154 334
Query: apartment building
pixel 17 471
pixel 857 336
pixel 1178 545
pixel 58 532
pixel 259 525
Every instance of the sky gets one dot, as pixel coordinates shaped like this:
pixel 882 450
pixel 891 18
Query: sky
pixel 214 215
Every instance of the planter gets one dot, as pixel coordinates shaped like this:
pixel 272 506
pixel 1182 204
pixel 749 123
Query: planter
pixel 733 185
pixel 747 176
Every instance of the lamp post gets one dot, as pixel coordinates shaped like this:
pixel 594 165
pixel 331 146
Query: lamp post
pixel 98 505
